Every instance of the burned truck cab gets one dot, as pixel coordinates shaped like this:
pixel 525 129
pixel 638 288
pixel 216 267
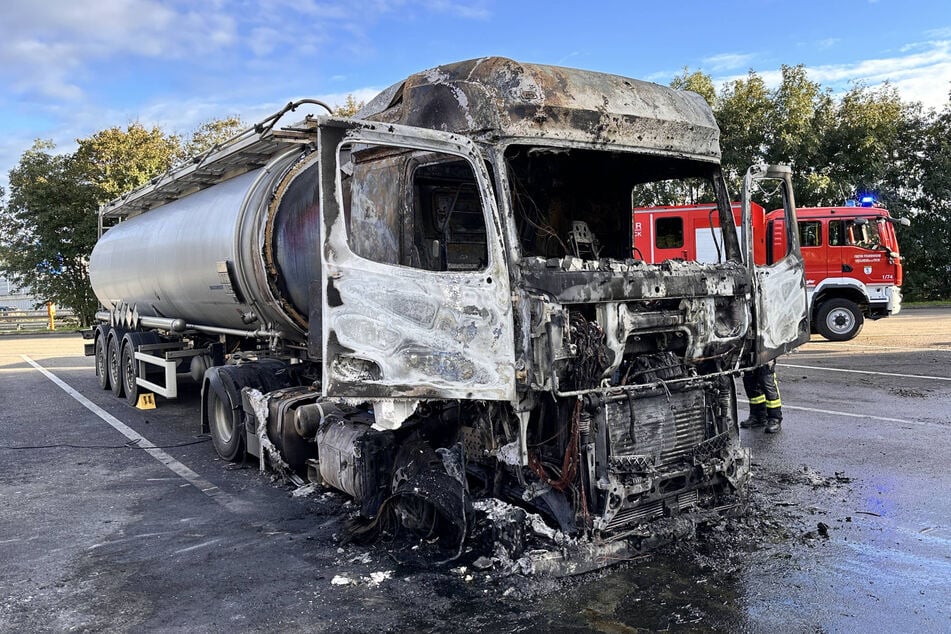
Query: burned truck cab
pixel 481 297
pixel 437 307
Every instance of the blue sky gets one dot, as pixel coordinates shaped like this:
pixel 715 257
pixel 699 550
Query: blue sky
pixel 69 68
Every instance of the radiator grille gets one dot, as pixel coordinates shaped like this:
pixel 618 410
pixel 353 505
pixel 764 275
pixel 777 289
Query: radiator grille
pixel 631 516
pixel 668 429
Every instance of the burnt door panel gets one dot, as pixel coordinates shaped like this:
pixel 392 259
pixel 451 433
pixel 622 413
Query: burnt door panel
pixel 416 298
pixel 780 303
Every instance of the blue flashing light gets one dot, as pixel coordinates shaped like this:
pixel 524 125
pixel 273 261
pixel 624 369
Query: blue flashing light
pixel 850 203
pixel 867 201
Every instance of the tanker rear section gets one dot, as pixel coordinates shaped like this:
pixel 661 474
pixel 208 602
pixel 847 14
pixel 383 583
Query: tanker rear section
pixel 434 308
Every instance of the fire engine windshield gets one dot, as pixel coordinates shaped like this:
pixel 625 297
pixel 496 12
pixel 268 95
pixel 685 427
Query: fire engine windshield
pixel 867 236
pixel 574 202
pixel 863 233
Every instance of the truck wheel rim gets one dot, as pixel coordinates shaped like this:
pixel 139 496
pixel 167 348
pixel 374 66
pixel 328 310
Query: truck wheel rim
pixel 115 372
pixel 129 373
pixel 101 364
pixel 222 422
pixel 840 321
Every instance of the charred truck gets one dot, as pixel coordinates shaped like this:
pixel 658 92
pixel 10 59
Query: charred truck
pixel 434 307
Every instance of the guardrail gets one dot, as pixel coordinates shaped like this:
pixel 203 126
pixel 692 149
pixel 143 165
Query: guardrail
pixel 35 320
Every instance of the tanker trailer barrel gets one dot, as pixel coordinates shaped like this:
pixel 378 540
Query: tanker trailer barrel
pixel 236 258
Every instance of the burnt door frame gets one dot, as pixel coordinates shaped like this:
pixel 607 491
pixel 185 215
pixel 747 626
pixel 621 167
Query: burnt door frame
pixel 779 311
pixel 395 331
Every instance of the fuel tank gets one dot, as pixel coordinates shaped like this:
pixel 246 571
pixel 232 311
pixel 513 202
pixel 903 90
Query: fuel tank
pixel 239 254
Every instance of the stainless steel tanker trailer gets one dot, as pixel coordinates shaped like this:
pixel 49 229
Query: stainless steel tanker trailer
pixel 434 307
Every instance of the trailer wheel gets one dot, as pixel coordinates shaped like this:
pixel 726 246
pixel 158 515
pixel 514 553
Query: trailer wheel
pixel 129 372
pixel 839 319
pixel 102 366
pixel 114 364
pixel 224 418
pixel 129 365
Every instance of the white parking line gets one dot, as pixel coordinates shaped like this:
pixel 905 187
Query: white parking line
pixel 58 369
pixel 830 412
pixel 874 347
pixel 903 376
pixel 197 546
pixel 206 487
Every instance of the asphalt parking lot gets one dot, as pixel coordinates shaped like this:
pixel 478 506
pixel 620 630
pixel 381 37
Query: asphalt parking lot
pixel 117 519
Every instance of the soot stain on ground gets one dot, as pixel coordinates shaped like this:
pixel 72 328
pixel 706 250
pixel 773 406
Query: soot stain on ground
pixel 699 583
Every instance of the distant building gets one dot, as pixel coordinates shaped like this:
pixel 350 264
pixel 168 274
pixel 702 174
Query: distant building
pixel 14 297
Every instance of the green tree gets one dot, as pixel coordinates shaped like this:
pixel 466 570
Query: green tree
pixel 117 160
pixel 744 111
pixel 698 82
pixel 210 134
pixel 802 113
pixel 862 146
pixel 865 141
pixel 49 221
pixel 925 243
pixel 47 227
pixel 350 107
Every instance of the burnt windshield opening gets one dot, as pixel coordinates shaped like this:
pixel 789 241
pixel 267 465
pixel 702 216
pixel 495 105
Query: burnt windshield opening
pixel 415 208
pixel 576 202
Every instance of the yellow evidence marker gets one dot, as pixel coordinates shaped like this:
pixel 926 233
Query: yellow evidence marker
pixel 146 401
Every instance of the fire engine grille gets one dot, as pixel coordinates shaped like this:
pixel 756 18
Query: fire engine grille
pixel 666 428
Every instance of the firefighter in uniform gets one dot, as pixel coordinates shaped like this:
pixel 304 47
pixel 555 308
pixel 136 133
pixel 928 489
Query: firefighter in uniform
pixel 766 407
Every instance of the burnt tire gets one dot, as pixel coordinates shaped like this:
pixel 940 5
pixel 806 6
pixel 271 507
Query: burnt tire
pixel 130 371
pixel 114 363
pixel 102 364
pixel 225 421
pixel 839 319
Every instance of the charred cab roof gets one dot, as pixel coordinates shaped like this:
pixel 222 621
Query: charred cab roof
pixel 495 99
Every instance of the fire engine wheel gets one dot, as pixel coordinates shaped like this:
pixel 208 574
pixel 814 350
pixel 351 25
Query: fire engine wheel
pixel 114 363
pixel 102 365
pixel 224 423
pixel 839 319
pixel 129 372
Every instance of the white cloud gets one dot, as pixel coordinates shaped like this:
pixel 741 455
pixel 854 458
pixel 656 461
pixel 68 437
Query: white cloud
pixel 566 58
pixel 57 56
pixel 263 40
pixel 664 77
pixel 48 48
pixel 173 117
pixel 940 33
pixel 473 10
pixel 45 44
pixel 183 116
pixel 728 61
pixel 923 74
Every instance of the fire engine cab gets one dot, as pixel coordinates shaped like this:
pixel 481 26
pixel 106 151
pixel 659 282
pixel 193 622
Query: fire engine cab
pixel 853 266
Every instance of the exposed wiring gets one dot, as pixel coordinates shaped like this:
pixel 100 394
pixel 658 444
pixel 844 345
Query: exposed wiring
pixel 520 195
pixel 590 358
pixel 771 192
pixel 569 467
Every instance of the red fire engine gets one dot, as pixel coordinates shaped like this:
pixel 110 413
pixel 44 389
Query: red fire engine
pixel 853 266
